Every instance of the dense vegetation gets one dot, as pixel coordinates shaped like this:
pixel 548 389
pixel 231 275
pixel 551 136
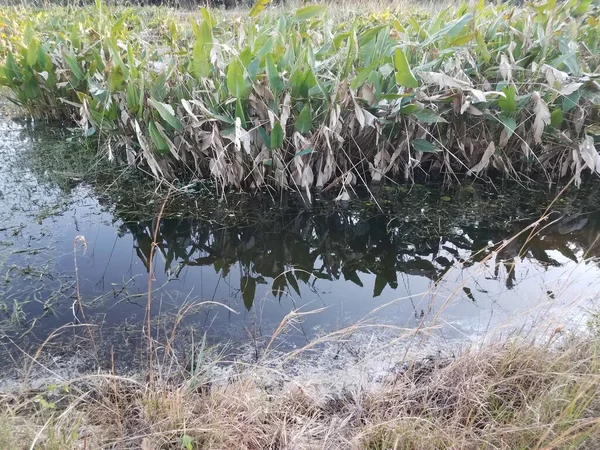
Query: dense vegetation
pixel 314 98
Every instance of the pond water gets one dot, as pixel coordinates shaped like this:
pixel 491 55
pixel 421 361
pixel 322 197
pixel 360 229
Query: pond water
pixel 404 257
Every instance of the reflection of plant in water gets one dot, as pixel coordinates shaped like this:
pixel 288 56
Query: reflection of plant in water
pixel 294 247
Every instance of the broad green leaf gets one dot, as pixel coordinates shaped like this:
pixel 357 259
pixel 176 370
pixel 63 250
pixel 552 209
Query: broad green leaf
pixel 132 98
pixel 253 69
pixel 205 34
pixel 404 76
pixel 239 112
pixel 582 8
pixel 556 118
pixel 235 80
pixel 276 136
pixel 428 116
pixel 259 7
pixel 71 61
pixel 200 61
pixel 265 137
pixel 304 120
pixel 116 79
pixel 267 47
pixel 32 52
pixel 208 18
pixel 12 70
pixel 482 47
pixel 159 87
pixel 273 75
pixel 508 103
pixel 309 12
pixel 510 124
pixel 409 109
pixel 571 101
pixel 116 56
pixel 462 40
pixel 28 33
pixel 456 29
pixel 187 442
pixel 167 114
pixel 424 146
pixel 32 89
pixel 162 147
pixel 201 51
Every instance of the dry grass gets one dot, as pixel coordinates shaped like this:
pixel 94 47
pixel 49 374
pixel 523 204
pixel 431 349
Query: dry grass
pixel 517 394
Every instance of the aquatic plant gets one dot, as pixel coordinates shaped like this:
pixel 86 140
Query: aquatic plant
pixel 305 99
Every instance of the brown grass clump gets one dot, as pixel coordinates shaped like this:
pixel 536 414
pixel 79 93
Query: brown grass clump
pixel 516 394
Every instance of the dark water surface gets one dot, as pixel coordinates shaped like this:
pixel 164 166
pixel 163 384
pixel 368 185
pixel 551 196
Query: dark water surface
pixel 426 254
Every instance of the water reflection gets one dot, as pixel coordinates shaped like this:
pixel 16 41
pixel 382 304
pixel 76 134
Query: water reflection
pixel 302 247
pixel 409 246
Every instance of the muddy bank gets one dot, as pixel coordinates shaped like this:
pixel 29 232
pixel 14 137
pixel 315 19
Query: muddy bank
pixel 505 391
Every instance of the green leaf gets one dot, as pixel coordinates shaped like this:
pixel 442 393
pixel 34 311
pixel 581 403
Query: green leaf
pixel 132 98
pixel 310 11
pixel 445 198
pixel 276 136
pixel 571 101
pixel 424 146
pixel 411 108
pixel 556 118
pixel 32 52
pixel 304 120
pixel 12 70
pixel 482 47
pixel 159 87
pixel 510 124
pixel 428 116
pixel 457 28
pixel 166 112
pixel 582 8
pixel 116 79
pixel 306 151
pixel 28 33
pixel 265 137
pixel 71 61
pixel 404 76
pixel 200 61
pixel 187 442
pixel 235 80
pixel 162 147
pixel 239 112
pixel 273 75
pixel 508 103
pixel 259 7
pixel 116 56
pixel 210 21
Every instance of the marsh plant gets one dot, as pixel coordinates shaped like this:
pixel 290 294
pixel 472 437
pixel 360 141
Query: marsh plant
pixel 313 98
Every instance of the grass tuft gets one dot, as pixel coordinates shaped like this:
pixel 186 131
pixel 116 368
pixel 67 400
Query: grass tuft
pixel 519 393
